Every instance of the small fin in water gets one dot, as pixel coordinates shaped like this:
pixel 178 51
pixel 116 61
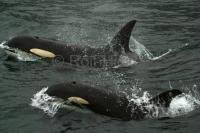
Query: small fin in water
pixel 164 99
pixel 42 53
pixel 121 39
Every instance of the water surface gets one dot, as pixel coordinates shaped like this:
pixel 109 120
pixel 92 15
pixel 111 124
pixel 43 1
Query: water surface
pixel 162 25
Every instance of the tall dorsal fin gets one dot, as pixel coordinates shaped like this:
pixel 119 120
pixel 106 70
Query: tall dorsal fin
pixel 121 39
pixel 164 99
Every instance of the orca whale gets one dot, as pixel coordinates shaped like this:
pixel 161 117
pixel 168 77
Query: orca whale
pixel 107 56
pixel 107 102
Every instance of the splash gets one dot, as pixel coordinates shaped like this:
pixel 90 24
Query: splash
pixel 46 103
pixel 51 105
pixel 125 61
pixel 158 57
pixel 18 54
pixel 180 105
pixel 143 52
pixel 22 56
pixel 2 46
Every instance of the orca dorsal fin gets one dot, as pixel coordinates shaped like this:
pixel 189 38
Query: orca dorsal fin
pixel 121 39
pixel 164 99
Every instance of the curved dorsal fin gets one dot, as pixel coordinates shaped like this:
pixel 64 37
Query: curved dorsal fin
pixel 121 39
pixel 164 99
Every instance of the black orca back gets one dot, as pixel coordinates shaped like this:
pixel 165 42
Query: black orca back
pixel 100 100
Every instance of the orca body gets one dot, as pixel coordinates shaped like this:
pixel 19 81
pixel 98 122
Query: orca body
pixel 95 57
pixel 106 102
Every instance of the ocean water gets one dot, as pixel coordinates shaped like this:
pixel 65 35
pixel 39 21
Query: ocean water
pixel 170 26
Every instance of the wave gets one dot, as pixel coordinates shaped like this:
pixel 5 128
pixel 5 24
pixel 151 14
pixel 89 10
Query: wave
pixel 18 54
pixel 143 52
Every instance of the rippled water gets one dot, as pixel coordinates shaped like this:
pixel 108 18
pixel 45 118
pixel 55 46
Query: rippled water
pixel 162 25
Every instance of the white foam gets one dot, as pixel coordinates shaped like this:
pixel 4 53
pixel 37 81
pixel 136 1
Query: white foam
pixel 125 61
pixel 182 104
pixel 23 56
pixel 46 103
pixel 140 100
pixel 51 105
pixel 18 54
pixel 2 46
pixel 143 52
pixel 158 57
pixel 140 49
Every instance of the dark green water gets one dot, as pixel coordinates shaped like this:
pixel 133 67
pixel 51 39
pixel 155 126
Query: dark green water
pixel 162 25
